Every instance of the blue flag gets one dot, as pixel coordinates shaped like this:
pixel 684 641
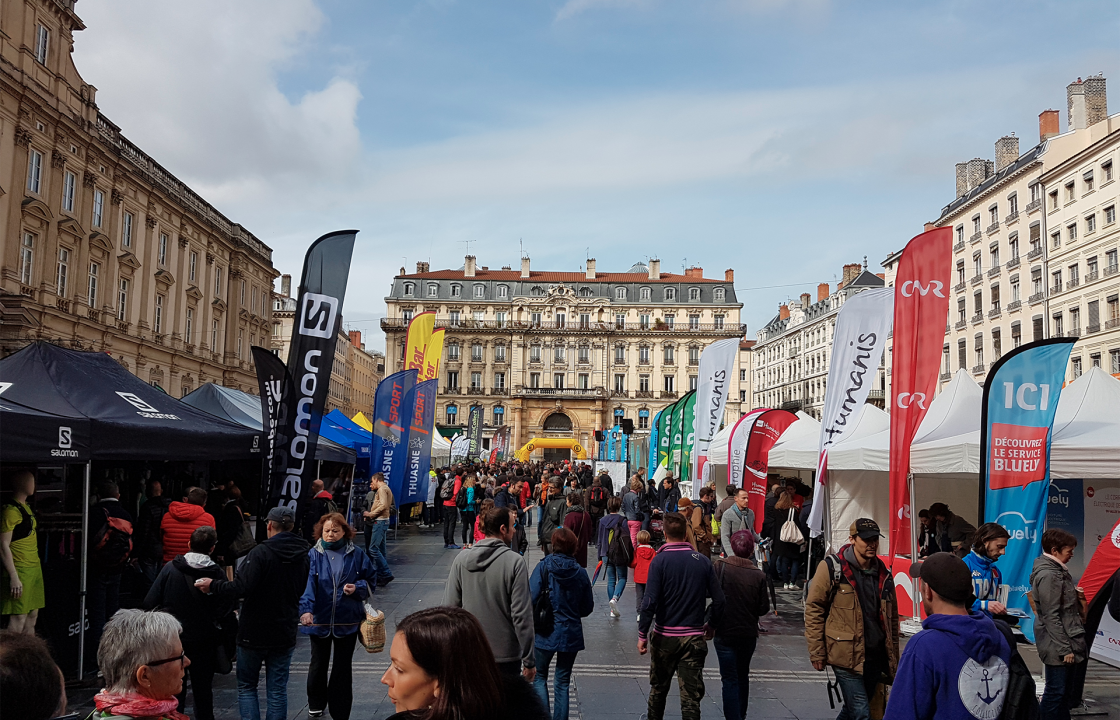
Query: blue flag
pixel 422 400
pixel 654 441
pixel 391 419
pixel 1020 400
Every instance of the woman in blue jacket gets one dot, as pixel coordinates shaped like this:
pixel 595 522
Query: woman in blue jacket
pixel 572 600
pixel 331 611
pixel 988 545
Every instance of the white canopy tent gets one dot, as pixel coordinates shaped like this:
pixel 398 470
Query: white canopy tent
pixel 1086 441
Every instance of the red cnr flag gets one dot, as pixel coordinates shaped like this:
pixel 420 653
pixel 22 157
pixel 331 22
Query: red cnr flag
pixel 765 431
pixel 921 309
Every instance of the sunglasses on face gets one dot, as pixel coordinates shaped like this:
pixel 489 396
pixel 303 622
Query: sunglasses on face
pixel 181 657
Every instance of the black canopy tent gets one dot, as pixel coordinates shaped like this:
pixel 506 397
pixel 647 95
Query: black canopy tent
pixel 245 409
pixel 114 416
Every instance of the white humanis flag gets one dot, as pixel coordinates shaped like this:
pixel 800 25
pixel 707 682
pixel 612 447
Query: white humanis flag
pixel 713 384
pixel 857 349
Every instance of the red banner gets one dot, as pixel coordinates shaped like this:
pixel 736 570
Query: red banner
pixel 921 309
pixel 767 428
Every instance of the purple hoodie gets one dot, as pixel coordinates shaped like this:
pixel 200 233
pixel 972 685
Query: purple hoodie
pixel 956 668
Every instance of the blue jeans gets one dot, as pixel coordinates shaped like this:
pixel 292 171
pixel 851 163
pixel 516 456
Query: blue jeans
pixel 1056 698
pixel 616 581
pixel 735 672
pixel 376 548
pixel 858 689
pixel 788 568
pixel 277 662
pixel 560 684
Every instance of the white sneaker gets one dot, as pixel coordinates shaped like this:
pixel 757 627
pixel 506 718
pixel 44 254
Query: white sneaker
pixel 614 608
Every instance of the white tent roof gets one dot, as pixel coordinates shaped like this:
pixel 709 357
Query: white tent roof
pixel 1086 440
pixel 860 449
pixel 797 447
pixel 717 452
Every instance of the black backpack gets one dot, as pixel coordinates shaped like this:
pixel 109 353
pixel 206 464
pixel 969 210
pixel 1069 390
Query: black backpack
pixel 544 619
pixel 448 490
pixel 598 497
pixel 1020 701
pixel 620 551
pixel 461 500
pixel 113 543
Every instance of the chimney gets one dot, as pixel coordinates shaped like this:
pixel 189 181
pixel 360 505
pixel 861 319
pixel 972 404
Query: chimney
pixel 977 171
pixel 468 266
pixel 1096 102
pixel 589 274
pixel 962 179
pixel 286 285
pixel 805 300
pixel 881 276
pixel 929 226
pixel 525 267
pixel 1048 125
pixel 729 275
pixel 694 272
pixel 851 272
pixel 654 269
pixel 1007 151
pixel 1075 105
pixel 822 292
pixel 356 338
pixel 783 312
pixel 421 267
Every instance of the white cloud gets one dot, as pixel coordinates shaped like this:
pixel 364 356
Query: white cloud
pixel 196 85
pixel 571 8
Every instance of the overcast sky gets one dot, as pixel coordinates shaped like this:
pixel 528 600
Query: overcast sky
pixel 781 138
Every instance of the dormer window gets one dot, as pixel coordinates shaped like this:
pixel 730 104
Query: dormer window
pixel 503 292
pixel 537 291
pixel 479 291
pixel 694 294
pixel 409 289
pixel 620 293
pixel 720 294
pixel 585 292
pixel 456 291
pixel 670 293
pixel 645 294
pixel 433 291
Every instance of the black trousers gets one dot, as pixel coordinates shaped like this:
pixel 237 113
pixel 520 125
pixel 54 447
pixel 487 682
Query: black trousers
pixel 468 527
pixel 337 695
pixel 201 672
pixel 450 515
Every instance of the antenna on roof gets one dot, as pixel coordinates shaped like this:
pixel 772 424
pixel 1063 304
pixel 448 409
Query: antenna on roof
pixel 468 242
pixel 519 242
pixel 864 262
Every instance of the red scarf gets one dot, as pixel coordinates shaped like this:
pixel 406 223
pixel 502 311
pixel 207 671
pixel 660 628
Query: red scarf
pixel 135 705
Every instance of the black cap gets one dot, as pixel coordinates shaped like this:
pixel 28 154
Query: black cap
pixel 948 576
pixel 281 514
pixel 866 529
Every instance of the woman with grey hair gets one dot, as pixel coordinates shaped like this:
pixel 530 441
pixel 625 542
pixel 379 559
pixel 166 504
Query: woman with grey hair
pixel 142 661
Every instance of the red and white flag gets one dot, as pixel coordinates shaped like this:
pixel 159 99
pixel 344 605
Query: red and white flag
pixel 921 308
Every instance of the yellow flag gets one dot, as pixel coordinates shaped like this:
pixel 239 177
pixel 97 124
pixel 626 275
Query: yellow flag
pixel 363 421
pixel 417 339
pixel 431 357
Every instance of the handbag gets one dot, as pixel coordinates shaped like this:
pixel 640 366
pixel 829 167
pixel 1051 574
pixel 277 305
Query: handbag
pixel 242 542
pixel 544 621
pixel 790 533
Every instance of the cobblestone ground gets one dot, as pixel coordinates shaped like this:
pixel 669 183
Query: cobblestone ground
pixel 610 679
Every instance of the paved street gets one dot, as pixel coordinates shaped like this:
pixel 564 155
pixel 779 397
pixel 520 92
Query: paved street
pixel 610 678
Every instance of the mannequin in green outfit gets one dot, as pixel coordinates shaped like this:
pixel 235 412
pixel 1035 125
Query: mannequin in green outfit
pixel 21 590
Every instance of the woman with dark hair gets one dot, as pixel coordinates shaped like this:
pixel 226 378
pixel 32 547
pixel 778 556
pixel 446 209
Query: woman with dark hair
pixel 428 680
pixel 472 496
pixel 339 579
pixel 579 521
pixel 1059 625
pixel 744 586
pixel 787 554
pixel 988 544
pixel 31 685
pixel 572 600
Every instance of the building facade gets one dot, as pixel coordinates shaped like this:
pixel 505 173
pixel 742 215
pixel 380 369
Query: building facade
pixel 1032 237
pixel 746 376
pixel 101 247
pixel 562 354
pixel 367 368
pixel 793 351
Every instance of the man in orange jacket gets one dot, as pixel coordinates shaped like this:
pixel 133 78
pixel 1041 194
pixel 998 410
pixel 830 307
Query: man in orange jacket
pixel 182 519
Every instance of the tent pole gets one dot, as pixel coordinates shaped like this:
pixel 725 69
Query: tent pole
pixel 913 545
pixel 83 573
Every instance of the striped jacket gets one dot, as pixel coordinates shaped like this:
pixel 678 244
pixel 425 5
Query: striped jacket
pixel 679 583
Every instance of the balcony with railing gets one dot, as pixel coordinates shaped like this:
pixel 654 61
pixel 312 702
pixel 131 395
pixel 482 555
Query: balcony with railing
pixel 1013 263
pixel 1034 205
pixel 995 312
pixel 1055 289
pixel 994 272
pixel 978 318
pixel 1090 329
pixel 1011 218
pixel 977 369
pixel 1036 298
pixel 1014 305
pixel 562 392
pixel 959 246
pixel 977 279
pixel 976 237
pixel 945 376
pixel 1073 333
pixel 1034 253
pixel 1071 284
pixel 994 227
pixel 734 329
pixel 1111 270
pixel 961 324
pixel 499 391
pixel 644 394
pixel 959 287
pixel 1113 323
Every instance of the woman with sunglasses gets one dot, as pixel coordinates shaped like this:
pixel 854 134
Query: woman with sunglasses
pixel 143 663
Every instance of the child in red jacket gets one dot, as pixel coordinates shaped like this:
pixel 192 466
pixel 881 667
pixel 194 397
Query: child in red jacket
pixel 643 556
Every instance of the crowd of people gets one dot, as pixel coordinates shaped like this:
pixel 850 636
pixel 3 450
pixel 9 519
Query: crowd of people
pixel 698 576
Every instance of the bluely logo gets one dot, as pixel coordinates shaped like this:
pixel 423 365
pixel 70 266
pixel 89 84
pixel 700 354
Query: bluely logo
pixel 1018 526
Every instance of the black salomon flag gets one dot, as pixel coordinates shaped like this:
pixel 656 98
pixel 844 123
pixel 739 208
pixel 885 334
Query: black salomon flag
pixel 318 318
pixel 474 432
pixel 276 392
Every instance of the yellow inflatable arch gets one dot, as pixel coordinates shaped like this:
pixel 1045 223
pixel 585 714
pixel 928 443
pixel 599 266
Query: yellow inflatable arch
pixel 529 447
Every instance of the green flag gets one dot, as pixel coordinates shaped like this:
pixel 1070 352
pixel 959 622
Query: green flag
pixel 663 437
pixel 676 425
pixel 688 434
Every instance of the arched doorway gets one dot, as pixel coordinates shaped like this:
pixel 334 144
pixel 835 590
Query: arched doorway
pixel 558 422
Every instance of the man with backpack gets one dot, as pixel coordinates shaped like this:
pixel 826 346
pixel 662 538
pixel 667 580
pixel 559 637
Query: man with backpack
pixel 597 501
pixel 851 619
pixel 147 545
pixel 182 519
pixel 958 666
pixel 110 532
pixel 321 503
pixel 553 518
pixel 448 494
pixel 616 551
pixel 375 510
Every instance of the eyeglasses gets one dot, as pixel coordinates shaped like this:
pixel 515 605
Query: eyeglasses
pixel 180 657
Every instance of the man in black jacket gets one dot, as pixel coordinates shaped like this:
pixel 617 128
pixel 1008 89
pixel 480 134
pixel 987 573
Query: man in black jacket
pixel 174 591
pixel 553 518
pixel 147 540
pixel 271 580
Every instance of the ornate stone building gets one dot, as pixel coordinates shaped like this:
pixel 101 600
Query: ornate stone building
pixel 562 354
pixel 101 248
